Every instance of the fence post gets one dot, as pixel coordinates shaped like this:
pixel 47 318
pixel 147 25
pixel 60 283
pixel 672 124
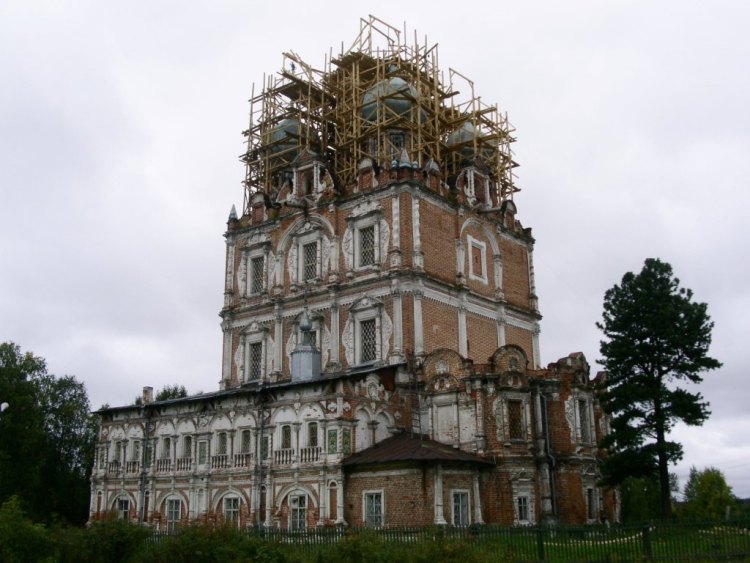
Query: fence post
pixel 646 543
pixel 540 543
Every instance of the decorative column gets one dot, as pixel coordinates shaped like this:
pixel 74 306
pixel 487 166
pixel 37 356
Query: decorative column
pixel 418 326
pixel 395 252
pixel 226 364
pixel 533 301
pixel 477 499
pixel 418 256
pixel 278 338
pixel 500 321
pixel 398 329
pixel 439 516
pixel 535 343
pixel 463 348
pixel 333 361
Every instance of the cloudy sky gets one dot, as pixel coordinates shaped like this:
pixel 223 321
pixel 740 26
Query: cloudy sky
pixel 120 133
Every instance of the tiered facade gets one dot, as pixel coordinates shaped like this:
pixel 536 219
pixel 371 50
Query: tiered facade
pixel 381 360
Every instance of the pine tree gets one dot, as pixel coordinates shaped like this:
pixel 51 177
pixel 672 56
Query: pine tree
pixel 656 337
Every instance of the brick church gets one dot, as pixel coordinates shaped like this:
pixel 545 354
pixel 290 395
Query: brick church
pixel 381 361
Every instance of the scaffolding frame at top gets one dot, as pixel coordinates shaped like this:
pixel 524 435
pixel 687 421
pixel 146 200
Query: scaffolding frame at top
pixel 330 112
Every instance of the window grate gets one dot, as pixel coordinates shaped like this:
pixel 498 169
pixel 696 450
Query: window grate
pixel 374 509
pixel 367 246
pixel 310 256
pixel 369 340
pixel 256 360
pixel 461 509
pixel 256 266
pixel 312 434
pixel 515 420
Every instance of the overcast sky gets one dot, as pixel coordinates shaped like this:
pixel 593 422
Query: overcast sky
pixel 120 132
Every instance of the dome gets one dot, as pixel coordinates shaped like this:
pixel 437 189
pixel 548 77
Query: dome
pixel 399 94
pixel 286 135
pixel 466 134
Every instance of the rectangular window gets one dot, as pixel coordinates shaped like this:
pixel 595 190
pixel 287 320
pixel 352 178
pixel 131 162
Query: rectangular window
pixel 298 512
pixel 173 514
pixel 522 504
pixel 232 509
pixel 286 437
pixel 367 246
pixel 222 449
pixel 135 452
pixel 117 452
pixel 147 454
pixel 166 448
pixel 312 434
pixel 460 508
pixel 476 261
pixel 202 452
pixel 256 361
pixel 591 508
pixel 516 430
pixel 187 447
pixel 333 438
pixel 245 441
pixel 346 441
pixel 374 509
pixel 583 418
pixel 369 341
pixel 123 509
pixel 310 261
pixel 256 274
pixel 264 447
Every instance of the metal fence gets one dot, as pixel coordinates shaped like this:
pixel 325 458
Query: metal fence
pixel 706 541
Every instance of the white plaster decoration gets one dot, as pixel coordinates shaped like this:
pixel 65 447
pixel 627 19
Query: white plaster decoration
pixel 497 261
pixel 229 265
pixel 351 242
pixel 239 359
pixel 473 245
pixel 226 367
pixel 570 417
pixel 532 284
pixel 439 515
pixel 463 347
pixel 278 336
pixel 418 324
pixel 334 259
pixel 477 499
pixel 242 275
pixel 308 232
pixel 460 259
pixel 416 237
pixel 398 328
pixel 363 309
pixel 536 361
pixel 396 225
pixel 500 332
pixel 335 354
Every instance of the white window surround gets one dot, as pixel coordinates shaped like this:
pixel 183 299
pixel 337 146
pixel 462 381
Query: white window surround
pixel 298 511
pixel 369 497
pixel 364 309
pixel 255 334
pixel 231 508
pixel 246 274
pixel 576 401
pixel 301 242
pixel 372 220
pixel 522 510
pixel 502 413
pixel 366 214
pixel 174 512
pixel 456 518
pixel 473 245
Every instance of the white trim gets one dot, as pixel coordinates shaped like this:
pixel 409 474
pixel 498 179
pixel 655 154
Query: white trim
pixel 466 492
pixel 472 245
pixel 380 492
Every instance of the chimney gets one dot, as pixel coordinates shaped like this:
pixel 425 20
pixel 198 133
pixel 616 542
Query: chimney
pixel 148 395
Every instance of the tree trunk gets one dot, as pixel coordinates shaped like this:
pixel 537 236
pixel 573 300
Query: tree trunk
pixel 664 492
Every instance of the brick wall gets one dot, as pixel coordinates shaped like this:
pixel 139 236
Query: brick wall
pixel 440 326
pixel 482 336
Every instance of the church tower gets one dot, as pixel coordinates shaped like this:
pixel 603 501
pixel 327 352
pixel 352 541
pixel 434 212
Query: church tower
pixel 381 362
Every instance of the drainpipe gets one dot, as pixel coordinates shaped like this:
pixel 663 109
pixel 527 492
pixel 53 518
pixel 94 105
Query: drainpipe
pixel 548 451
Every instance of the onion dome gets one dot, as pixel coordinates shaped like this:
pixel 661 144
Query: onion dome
pixel 394 93
pixel 285 136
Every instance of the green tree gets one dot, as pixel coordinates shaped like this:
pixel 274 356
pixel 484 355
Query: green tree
pixel 656 337
pixel 171 392
pixel 48 435
pixel 639 498
pixel 707 495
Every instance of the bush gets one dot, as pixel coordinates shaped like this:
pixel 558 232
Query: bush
pixel 21 540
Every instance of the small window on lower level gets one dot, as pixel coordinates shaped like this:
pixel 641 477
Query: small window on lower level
pixel 461 508
pixel 298 512
pixel 123 508
pixel 173 514
pixel 522 508
pixel 373 507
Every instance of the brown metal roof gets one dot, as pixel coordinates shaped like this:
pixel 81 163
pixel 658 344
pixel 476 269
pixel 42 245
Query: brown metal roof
pixel 408 447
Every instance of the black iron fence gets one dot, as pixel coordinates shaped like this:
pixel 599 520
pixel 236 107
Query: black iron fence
pixel 705 541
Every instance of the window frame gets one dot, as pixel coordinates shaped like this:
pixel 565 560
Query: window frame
pixel 253 275
pixel 231 513
pixel 122 506
pixel 481 246
pixel 367 496
pixel 523 509
pixel 172 522
pixel 298 514
pixel 461 494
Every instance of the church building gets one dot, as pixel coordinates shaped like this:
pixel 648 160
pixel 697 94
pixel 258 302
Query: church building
pixel 381 360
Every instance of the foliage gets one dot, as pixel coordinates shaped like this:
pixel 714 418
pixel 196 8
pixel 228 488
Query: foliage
pixel 656 336
pixel 707 495
pixel 21 540
pixel 639 498
pixel 171 392
pixel 48 438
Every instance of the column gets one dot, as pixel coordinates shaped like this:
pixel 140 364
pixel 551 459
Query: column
pixel 418 257
pixel 439 516
pixel 333 361
pixel 477 499
pixel 463 349
pixel 398 329
pixel 537 363
pixel 418 326
pixel 278 341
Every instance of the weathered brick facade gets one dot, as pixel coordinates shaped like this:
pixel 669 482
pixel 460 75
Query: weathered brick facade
pixel 416 289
